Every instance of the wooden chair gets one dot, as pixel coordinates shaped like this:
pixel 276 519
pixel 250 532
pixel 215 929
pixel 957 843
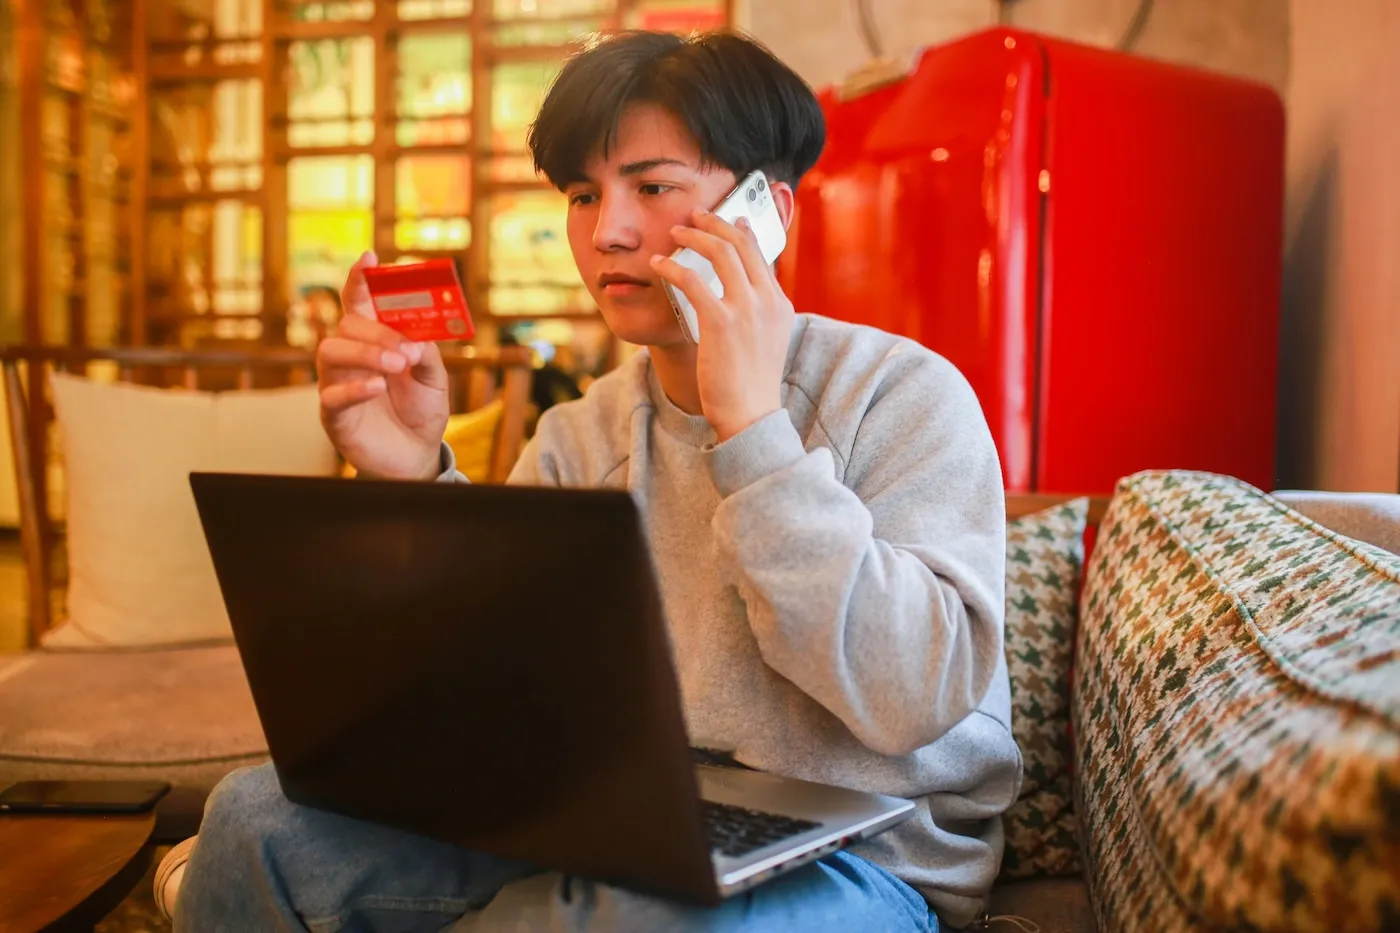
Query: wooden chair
pixel 476 379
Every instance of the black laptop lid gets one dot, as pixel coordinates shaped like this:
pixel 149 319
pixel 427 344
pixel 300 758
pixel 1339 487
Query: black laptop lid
pixel 481 664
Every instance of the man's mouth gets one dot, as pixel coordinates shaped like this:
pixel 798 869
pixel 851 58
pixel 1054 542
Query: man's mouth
pixel 618 285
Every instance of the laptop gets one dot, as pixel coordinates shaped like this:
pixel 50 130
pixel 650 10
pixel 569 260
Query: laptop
pixel 490 666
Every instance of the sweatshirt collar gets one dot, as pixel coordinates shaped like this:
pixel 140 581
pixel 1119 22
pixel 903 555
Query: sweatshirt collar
pixel 694 429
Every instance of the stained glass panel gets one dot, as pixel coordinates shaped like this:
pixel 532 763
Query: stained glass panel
pixel 532 270
pixel 206 138
pixel 434 89
pixel 517 90
pixel 433 185
pixel 433 9
pixel 330 220
pixel 329 11
pixel 179 258
pixel 546 33
pixel 237 258
pixel 192 34
pixel 331 97
pixel 434 198
pixel 546 9
pixel 513 168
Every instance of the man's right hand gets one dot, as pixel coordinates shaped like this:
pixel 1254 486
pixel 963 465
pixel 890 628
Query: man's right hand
pixel 383 398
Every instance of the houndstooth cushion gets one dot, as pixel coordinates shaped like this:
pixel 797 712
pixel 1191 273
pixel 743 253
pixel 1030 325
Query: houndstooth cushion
pixel 1237 707
pixel 1044 559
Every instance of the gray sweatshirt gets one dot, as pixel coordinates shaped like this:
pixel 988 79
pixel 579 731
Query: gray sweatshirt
pixel 833 578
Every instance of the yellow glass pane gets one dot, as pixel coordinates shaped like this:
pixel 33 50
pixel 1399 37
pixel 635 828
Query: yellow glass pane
pixel 432 185
pixel 517 90
pixel 513 168
pixel 434 234
pixel 323 245
pixel 330 182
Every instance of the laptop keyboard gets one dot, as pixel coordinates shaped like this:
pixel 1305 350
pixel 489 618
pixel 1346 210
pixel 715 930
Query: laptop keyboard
pixel 735 831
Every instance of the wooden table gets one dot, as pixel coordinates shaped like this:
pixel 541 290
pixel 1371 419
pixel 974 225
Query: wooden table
pixel 68 872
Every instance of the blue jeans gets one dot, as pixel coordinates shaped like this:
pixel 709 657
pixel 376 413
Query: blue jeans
pixel 265 864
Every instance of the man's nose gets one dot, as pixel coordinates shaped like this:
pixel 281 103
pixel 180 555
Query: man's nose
pixel 618 226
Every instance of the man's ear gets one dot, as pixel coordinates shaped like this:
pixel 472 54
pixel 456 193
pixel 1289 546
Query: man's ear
pixel 785 200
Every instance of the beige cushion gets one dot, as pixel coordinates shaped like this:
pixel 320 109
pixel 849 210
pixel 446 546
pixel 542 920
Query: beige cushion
pixel 1370 517
pixel 183 715
pixel 139 569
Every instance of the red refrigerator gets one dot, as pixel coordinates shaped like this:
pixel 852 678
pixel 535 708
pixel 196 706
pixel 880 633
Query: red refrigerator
pixel 1094 239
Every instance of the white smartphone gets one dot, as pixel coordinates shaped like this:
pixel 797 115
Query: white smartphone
pixel 751 198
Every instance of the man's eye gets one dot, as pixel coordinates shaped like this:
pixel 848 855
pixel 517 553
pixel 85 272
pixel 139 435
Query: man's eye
pixel 581 199
pixel 655 189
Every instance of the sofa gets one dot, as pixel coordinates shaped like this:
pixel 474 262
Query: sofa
pixel 1208 706
pixel 132 673
pixel 1232 684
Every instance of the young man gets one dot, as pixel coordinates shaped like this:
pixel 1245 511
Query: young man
pixel 825 509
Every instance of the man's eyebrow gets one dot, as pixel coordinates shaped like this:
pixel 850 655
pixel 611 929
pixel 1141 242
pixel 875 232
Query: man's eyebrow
pixel 646 165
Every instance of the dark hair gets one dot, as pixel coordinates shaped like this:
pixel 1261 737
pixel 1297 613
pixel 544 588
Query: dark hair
pixel 745 109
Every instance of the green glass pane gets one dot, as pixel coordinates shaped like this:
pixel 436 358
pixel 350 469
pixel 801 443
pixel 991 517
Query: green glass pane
pixel 432 186
pixel 546 33
pixel 433 9
pixel 434 75
pixel 332 11
pixel 331 97
pixel 434 89
pixel 517 90
pixel 546 9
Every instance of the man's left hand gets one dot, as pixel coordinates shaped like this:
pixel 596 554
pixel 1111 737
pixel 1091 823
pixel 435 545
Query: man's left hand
pixel 744 336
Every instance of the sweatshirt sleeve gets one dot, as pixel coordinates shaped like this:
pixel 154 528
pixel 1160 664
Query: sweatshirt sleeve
pixel 876 587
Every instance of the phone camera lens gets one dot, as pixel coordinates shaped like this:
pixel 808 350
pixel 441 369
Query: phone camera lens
pixel 762 184
pixel 753 195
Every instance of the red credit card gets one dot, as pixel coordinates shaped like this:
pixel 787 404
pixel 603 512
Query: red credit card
pixel 421 300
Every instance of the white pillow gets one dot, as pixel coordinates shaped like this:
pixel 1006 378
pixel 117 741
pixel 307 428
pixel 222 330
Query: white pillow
pixel 139 571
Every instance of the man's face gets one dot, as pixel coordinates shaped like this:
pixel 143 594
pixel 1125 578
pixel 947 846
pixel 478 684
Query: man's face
pixel 651 181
